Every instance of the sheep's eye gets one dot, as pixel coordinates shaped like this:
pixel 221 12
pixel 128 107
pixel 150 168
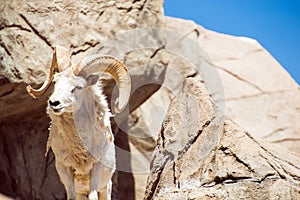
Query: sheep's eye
pixel 76 88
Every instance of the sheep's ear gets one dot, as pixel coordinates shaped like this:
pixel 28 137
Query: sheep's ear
pixel 92 79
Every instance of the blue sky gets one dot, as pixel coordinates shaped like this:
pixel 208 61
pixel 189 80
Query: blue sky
pixel 275 24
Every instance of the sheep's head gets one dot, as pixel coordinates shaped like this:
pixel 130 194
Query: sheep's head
pixel 67 86
pixel 69 80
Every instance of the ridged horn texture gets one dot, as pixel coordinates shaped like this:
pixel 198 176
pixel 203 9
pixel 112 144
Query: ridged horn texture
pixel 36 93
pixel 112 66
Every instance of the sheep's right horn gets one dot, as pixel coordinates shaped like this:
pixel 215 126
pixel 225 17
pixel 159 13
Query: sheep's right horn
pixel 36 93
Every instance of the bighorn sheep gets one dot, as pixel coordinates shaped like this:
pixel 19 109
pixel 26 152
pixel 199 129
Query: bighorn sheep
pixel 80 131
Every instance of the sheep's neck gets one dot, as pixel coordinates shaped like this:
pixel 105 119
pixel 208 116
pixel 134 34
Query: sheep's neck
pixel 70 134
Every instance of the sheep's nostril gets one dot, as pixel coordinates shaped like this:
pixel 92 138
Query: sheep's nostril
pixel 54 103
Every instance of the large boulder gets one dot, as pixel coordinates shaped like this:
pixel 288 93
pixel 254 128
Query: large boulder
pixel 202 154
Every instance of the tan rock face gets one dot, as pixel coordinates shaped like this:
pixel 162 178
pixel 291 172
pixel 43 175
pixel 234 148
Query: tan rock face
pixel 214 158
pixel 30 30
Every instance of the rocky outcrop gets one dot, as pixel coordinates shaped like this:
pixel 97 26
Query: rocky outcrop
pixel 204 155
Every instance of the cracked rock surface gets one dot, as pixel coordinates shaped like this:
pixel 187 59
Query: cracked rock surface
pixel 208 156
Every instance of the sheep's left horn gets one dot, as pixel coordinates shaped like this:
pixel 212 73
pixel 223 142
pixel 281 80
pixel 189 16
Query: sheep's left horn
pixel 111 65
pixel 36 93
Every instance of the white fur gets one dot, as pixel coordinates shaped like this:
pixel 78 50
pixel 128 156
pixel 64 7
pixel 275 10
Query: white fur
pixel 81 137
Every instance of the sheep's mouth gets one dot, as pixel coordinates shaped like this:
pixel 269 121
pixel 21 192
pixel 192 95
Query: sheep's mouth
pixel 57 111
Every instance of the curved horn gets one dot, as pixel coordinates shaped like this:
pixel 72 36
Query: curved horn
pixel 62 58
pixel 111 65
pixel 36 93
pixel 60 62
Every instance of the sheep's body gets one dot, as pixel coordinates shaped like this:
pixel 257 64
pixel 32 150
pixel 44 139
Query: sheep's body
pixel 80 133
pixel 83 153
